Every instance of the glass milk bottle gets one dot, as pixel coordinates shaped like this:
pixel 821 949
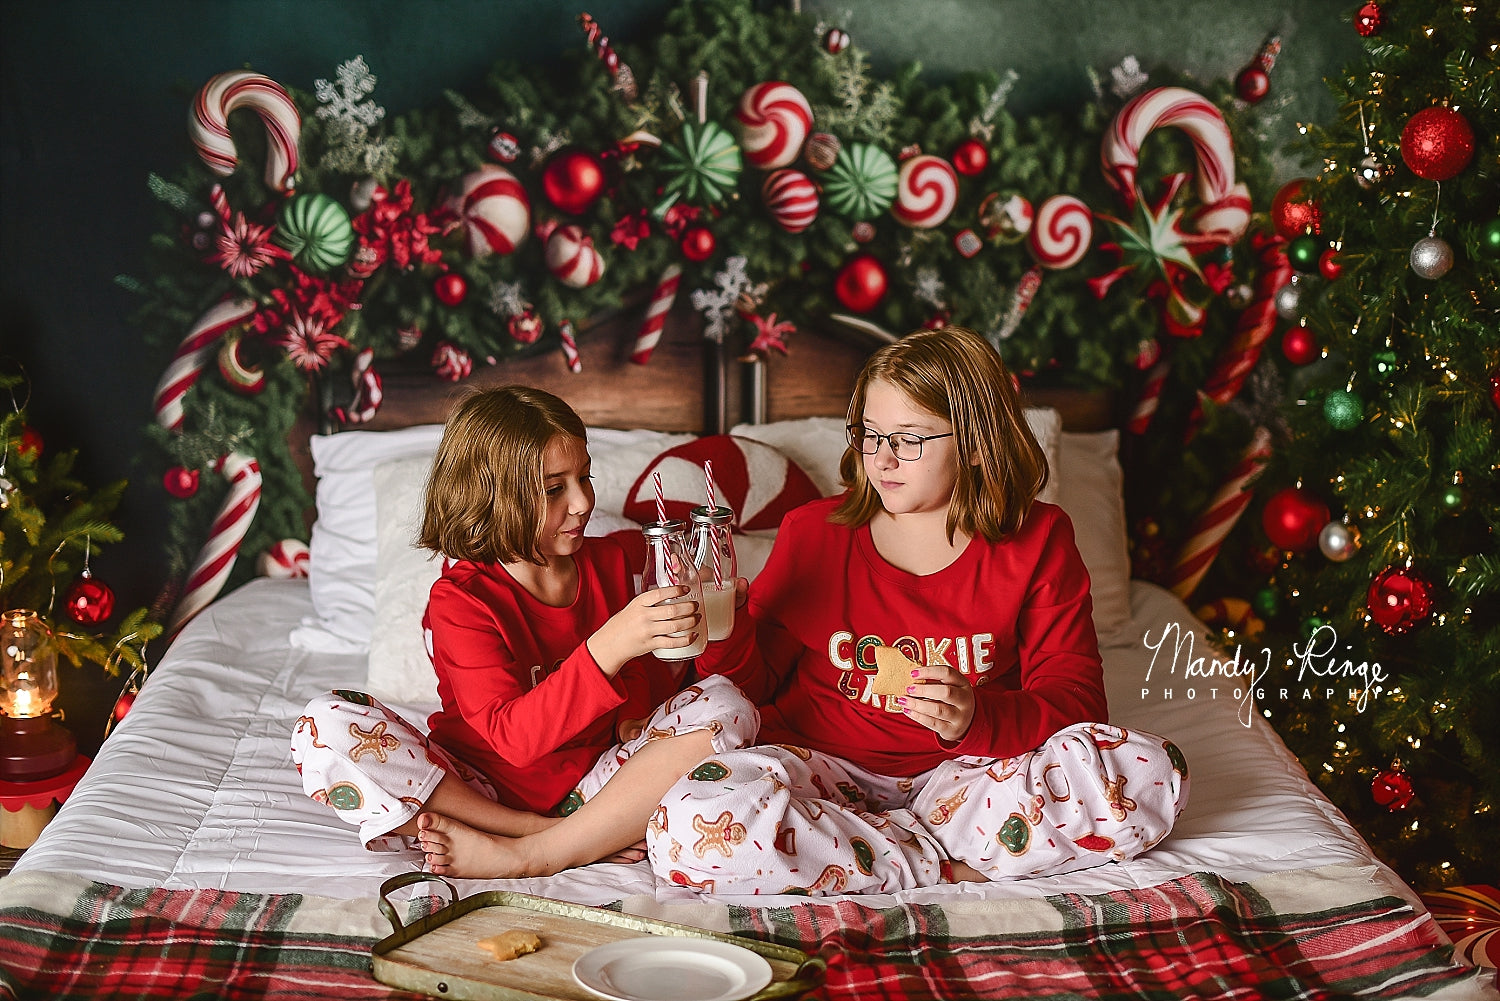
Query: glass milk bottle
pixel 711 538
pixel 667 563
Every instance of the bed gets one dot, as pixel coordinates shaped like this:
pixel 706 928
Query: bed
pixel 188 862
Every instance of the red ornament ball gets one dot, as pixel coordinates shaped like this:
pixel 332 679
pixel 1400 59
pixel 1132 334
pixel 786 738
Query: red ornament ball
pixel 1399 599
pixel 862 232
pixel 836 40
pixel 1495 388
pixel 1253 83
pixel 123 705
pixel 970 157
pixel 1299 345
pixel 1293 518
pixel 861 283
pixel 525 327
pixel 450 288
pixel 179 482
pixel 1391 789
pixel 1369 19
pixel 89 601
pixel 1437 143
pixel 1328 264
pixel 504 147
pixel 30 445
pixel 698 243
pixel 573 180
pixel 1294 213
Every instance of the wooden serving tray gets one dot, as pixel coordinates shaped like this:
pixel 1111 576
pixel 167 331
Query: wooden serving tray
pixel 439 954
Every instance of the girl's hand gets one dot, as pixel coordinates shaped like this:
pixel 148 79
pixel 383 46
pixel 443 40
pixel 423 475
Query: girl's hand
pixel 741 591
pixel 645 625
pixel 940 699
pixel 628 856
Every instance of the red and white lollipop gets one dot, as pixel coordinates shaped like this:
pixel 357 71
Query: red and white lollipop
pixel 773 120
pixel 208 124
pixel 495 210
pixel 571 257
pixel 926 191
pixel 1225 211
pixel 1061 234
pixel 792 199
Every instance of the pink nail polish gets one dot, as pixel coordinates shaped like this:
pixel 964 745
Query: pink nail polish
pixel 915 673
pixel 911 689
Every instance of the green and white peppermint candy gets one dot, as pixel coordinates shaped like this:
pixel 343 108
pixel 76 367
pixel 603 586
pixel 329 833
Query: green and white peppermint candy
pixel 702 166
pixel 316 230
pixel 862 182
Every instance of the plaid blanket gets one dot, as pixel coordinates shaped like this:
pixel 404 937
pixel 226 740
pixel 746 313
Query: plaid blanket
pixel 1199 936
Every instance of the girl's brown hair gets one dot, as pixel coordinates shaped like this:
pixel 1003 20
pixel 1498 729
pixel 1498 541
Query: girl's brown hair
pixel 955 374
pixel 485 496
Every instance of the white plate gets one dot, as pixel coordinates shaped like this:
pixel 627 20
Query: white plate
pixel 666 968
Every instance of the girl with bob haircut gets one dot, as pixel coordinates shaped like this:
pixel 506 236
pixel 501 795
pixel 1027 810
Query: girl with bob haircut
pixel 984 750
pixel 543 659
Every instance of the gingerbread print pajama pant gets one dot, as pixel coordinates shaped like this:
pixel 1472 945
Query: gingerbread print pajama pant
pixel 376 770
pixel 782 819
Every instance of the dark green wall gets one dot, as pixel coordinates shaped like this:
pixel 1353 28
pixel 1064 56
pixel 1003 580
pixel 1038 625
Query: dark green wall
pixel 94 96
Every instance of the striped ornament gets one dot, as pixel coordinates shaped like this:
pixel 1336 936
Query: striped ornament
pixel 773 120
pixel 926 191
pixel 495 211
pixel 792 199
pixel 571 257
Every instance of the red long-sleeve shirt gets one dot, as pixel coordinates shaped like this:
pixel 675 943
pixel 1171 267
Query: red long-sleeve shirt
pixel 523 699
pixel 1015 617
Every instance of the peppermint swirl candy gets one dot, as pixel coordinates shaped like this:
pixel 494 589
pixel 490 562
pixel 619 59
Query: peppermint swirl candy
pixel 316 229
pixel 926 191
pixel 703 165
pixel 862 183
pixel 774 120
pixel 1061 234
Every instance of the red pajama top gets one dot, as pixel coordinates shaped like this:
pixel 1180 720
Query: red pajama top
pixel 523 699
pixel 1015 617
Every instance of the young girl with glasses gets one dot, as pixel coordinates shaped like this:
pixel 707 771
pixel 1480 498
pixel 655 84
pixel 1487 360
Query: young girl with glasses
pixel 558 731
pixel 998 761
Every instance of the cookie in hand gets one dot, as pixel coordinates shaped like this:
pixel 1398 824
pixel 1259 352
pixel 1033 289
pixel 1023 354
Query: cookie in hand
pixel 894 671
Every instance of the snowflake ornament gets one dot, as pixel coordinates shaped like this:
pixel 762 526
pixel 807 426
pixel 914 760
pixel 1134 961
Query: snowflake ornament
pixel 341 100
pixel 717 305
pixel 348 120
pixel 929 288
pixel 507 300
pixel 1128 77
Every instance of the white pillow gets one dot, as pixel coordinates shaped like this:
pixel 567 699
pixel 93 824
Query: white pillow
pixel 1093 496
pixel 341 567
pixel 399 669
pixel 817 443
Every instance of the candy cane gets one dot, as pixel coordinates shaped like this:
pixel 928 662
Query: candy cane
pixel 192 355
pixel 618 71
pixel 570 346
pixel 656 314
pixel 1251 331
pixel 1210 528
pixel 1225 211
pixel 208 124
pixel 1145 407
pixel 216 558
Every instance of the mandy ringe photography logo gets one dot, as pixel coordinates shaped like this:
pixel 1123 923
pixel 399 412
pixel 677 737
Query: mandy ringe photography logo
pixel 1179 672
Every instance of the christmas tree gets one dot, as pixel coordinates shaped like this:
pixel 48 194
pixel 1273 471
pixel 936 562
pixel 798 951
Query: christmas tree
pixel 1383 503
pixel 50 525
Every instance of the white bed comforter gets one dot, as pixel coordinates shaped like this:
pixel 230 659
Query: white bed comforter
pixel 196 787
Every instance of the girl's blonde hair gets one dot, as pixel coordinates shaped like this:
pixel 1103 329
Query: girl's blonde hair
pixel 485 496
pixel 955 374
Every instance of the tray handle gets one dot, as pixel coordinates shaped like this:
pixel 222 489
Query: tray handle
pixel 408 879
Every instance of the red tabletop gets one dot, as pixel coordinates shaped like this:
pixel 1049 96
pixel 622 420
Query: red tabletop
pixel 40 794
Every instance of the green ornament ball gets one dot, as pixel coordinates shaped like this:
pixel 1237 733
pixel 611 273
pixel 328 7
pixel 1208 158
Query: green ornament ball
pixel 702 166
pixel 1343 410
pixel 1454 498
pixel 1303 253
pixel 1383 366
pixel 862 182
pixel 1312 624
pixel 316 230
pixel 1489 240
pixel 1266 602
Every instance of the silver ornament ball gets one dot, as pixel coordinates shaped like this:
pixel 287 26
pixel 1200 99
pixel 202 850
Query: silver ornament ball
pixel 1338 541
pixel 1289 300
pixel 1431 257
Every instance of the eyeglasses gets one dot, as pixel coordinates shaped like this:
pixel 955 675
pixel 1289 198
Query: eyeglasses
pixel 905 446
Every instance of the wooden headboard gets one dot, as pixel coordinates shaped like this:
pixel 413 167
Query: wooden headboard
pixel 690 383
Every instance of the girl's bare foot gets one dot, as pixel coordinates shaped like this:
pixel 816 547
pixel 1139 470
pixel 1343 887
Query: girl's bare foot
pixel 965 873
pixel 455 849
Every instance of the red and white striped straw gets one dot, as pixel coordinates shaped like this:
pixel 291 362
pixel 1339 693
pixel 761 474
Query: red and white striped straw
pixel 713 532
pixel 661 498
